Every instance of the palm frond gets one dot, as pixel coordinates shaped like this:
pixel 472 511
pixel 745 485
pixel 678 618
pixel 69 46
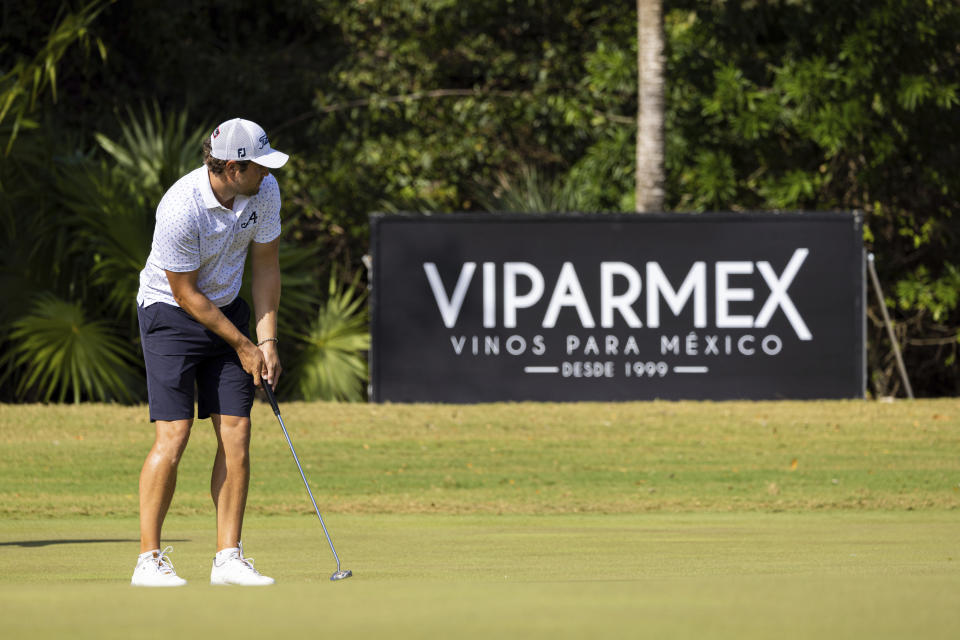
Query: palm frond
pixel 333 366
pixel 154 149
pixel 56 352
pixel 111 227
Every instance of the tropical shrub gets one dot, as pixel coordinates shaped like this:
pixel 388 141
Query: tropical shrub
pixel 333 364
pixel 59 354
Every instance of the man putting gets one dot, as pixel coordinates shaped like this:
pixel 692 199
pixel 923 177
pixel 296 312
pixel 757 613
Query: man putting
pixel 194 330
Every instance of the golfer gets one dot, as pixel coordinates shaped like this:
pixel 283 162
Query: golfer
pixel 194 330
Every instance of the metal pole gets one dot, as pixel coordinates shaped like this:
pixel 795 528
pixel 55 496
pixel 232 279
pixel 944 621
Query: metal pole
pixel 886 321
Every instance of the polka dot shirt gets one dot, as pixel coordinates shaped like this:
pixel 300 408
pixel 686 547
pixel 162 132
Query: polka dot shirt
pixel 194 232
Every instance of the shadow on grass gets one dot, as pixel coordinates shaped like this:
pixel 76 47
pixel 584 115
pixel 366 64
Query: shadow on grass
pixel 47 543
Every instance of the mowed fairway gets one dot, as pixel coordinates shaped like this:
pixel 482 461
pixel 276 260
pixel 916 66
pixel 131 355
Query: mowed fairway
pixel 661 520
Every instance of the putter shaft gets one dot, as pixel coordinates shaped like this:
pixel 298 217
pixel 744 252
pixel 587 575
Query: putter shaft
pixel 339 574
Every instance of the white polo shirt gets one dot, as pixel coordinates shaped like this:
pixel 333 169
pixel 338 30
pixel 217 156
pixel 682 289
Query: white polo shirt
pixel 195 232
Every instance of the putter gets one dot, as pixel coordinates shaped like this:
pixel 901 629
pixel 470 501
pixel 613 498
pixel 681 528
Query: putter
pixel 339 574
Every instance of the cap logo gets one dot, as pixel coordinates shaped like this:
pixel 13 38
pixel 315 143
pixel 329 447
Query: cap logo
pixel 242 152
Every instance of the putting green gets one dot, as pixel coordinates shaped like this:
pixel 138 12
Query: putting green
pixel 660 520
pixel 729 575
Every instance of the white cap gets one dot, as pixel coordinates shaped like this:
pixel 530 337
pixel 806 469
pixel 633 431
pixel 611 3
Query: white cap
pixel 240 139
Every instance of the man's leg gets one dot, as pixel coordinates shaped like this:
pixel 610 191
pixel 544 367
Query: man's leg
pixel 228 486
pixel 230 479
pixel 158 479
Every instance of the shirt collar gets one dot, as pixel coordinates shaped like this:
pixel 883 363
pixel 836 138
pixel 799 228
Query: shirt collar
pixel 210 200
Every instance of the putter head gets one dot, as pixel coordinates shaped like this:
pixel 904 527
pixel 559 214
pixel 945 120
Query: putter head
pixel 341 575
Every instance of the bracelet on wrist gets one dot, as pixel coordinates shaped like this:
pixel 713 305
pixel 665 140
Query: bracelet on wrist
pixel 266 340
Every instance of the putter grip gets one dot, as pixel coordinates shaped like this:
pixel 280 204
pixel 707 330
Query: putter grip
pixel 271 397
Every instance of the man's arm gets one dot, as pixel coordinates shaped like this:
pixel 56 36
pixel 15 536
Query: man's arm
pixel 191 299
pixel 265 271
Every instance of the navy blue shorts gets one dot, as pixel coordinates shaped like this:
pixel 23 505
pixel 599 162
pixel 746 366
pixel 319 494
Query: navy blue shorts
pixel 185 360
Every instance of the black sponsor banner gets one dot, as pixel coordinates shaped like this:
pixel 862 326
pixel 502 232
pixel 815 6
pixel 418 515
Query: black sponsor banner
pixel 482 308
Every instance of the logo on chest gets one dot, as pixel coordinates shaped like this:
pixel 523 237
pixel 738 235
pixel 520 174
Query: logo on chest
pixel 251 220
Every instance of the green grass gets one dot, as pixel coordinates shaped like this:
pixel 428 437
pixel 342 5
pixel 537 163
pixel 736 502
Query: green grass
pixel 720 520
pixel 509 458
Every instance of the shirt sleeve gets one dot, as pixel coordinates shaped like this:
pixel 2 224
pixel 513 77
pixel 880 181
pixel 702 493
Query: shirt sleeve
pixel 176 238
pixel 270 229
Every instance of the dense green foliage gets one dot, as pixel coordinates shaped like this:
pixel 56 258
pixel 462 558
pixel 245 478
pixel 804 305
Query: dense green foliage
pixel 447 105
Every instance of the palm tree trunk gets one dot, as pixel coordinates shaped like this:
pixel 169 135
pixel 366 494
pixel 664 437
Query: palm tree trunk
pixel 649 176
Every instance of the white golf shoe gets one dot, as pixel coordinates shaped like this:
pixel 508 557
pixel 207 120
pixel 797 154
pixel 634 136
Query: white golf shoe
pixel 230 567
pixel 154 569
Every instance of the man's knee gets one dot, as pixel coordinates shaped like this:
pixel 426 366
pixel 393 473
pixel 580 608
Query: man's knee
pixel 171 439
pixel 234 435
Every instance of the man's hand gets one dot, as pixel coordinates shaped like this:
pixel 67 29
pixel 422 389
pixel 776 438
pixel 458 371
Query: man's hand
pixel 271 363
pixel 252 361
